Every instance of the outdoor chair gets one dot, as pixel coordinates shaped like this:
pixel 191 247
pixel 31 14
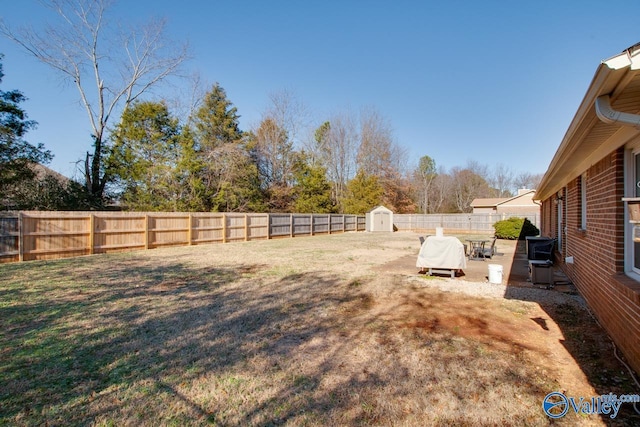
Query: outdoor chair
pixel 491 250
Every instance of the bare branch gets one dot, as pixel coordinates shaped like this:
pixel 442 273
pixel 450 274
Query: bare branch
pixel 83 48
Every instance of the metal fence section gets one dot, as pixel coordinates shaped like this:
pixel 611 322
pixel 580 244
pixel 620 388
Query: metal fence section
pixel 36 235
pixel 479 223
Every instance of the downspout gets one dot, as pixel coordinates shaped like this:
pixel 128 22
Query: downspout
pixel 610 116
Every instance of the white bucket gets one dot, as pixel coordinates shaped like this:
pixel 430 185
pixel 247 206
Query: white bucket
pixel 495 273
pixel 439 231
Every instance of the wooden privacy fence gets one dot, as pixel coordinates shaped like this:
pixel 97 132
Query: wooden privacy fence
pixel 28 236
pixel 480 223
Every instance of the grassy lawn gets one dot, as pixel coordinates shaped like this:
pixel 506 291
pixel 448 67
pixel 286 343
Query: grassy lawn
pixel 295 332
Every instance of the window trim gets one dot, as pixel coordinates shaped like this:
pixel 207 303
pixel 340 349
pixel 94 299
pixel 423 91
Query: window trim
pixel 632 150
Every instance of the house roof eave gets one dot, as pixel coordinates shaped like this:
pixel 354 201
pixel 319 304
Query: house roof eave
pixel 577 152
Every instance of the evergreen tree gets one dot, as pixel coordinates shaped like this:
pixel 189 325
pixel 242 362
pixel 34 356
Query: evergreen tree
pixel 188 172
pixel 312 189
pixel 362 194
pixel 17 156
pixel 144 157
pixel 222 166
pixel 216 122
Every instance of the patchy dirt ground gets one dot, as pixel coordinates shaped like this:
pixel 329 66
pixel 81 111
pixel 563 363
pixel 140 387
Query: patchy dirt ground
pixel 552 324
pixel 328 330
pixel 549 328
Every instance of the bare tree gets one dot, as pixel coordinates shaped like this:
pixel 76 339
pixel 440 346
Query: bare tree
pixel 527 180
pixel 376 144
pixel 109 67
pixel 188 99
pixel 441 191
pixel 289 113
pixel 501 179
pixel 336 148
pixel 478 168
pixel 380 156
pixel 378 153
pixel 467 186
pixel 275 154
pixel 424 176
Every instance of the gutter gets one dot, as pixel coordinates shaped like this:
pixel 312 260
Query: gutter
pixel 610 116
pixel 611 77
pixel 551 181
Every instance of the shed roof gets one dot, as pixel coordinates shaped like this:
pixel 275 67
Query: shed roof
pixel 381 208
pixel 588 139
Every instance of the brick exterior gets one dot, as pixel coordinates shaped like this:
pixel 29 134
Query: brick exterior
pixel 598 251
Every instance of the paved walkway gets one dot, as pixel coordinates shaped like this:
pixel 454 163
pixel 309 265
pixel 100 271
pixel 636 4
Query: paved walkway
pixel 510 254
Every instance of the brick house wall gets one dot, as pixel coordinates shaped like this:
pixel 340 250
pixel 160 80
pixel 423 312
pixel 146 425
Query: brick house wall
pixel 598 251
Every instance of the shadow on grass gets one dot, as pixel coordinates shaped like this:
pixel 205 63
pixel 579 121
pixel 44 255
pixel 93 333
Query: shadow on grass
pixel 139 342
pixel 584 339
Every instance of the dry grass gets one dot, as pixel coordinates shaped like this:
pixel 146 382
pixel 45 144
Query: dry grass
pixel 283 332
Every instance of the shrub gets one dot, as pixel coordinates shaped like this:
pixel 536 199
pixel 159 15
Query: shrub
pixel 528 229
pixel 515 228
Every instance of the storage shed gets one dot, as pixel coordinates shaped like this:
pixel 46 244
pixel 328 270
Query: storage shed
pixel 380 219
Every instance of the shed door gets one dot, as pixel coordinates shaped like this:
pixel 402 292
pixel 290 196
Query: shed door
pixel 381 221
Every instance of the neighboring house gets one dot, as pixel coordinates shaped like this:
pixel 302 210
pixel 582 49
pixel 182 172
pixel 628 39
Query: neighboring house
pixel 522 203
pixel 41 173
pixel 597 166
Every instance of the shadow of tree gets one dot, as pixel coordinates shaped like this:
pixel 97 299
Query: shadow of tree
pixel 172 343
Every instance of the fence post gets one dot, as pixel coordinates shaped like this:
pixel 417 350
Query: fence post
pixel 92 237
pixel 146 231
pixel 224 227
pixel 20 237
pixel 246 228
pixel 291 233
pixel 312 225
pixel 268 226
pixel 190 229
pixel 329 222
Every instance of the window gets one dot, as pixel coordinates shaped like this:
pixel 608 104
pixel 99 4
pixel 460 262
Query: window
pixel 636 227
pixel 632 230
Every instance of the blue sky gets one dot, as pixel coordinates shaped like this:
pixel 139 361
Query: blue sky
pixel 490 81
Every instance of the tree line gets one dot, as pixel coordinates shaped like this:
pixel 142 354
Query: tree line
pixel 154 159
